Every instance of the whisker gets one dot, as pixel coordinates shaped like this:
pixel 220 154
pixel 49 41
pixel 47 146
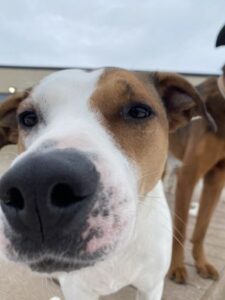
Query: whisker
pixel 174 214
pixel 175 229
pixel 147 174
pixel 173 234
pixel 177 239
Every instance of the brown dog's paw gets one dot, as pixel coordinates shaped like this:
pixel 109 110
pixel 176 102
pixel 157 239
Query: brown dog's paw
pixel 207 271
pixel 178 274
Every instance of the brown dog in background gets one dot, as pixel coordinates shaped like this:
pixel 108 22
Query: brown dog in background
pixel 202 153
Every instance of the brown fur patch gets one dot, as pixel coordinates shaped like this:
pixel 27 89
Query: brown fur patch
pixel 8 122
pixel 145 141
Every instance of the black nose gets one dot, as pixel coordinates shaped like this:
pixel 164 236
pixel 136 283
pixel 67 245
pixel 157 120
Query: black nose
pixel 43 192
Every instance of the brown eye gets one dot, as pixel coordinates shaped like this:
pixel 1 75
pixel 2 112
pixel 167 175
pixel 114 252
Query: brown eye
pixel 28 119
pixel 137 111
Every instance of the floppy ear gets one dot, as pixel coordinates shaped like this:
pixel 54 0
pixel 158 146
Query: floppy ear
pixel 181 100
pixel 8 122
pixel 223 69
pixel 220 41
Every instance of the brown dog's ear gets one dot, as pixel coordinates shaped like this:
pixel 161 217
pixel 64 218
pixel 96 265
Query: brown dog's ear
pixel 181 99
pixel 8 122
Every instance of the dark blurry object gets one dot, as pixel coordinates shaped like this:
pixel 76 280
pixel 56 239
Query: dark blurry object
pixel 221 37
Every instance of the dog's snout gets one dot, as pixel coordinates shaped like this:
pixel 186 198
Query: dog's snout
pixel 62 195
pixel 48 189
pixel 14 198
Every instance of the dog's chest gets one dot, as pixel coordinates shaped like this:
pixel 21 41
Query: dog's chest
pixel 109 277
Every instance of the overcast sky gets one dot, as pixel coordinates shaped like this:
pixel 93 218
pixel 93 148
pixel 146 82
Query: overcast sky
pixel 177 35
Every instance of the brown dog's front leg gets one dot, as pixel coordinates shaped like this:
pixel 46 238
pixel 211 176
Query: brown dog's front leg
pixel 186 181
pixel 213 184
pixel 200 156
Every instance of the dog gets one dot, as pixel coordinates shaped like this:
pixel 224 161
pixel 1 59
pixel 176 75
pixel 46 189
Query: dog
pixel 83 202
pixel 202 153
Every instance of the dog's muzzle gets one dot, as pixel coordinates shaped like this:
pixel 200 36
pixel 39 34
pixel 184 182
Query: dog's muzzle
pixel 46 198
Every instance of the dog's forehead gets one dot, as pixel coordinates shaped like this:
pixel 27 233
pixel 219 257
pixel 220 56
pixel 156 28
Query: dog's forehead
pixel 66 86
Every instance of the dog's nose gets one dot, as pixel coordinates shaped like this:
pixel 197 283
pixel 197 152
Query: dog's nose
pixel 43 192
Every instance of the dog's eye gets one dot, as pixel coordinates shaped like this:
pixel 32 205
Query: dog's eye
pixel 137 111
pixel 28 119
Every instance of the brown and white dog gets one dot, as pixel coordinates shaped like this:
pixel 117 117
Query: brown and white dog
pixel 202 153
pixel 83 202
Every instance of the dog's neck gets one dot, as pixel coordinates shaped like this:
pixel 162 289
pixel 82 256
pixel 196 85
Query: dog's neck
pixel 221 85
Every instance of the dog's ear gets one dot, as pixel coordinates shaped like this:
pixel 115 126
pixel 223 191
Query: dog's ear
pixel 8 122
pixel 181 100
pixel 223 69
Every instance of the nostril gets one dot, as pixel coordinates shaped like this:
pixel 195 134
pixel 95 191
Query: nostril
pixel 14 198
pixel 63 196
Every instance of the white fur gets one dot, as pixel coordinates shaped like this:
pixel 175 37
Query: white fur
pixel 143 263
pixel 143 255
